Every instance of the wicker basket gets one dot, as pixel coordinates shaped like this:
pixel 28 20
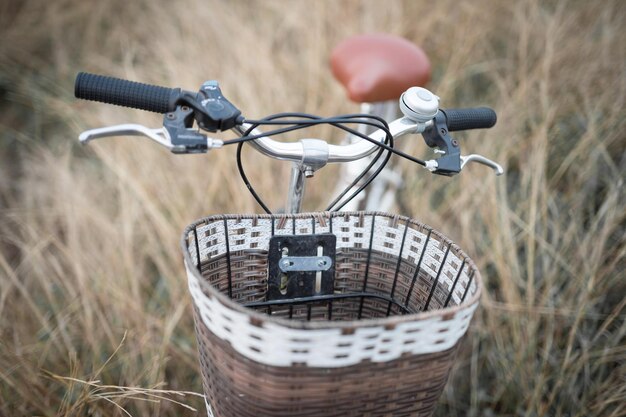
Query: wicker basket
pixel 380 344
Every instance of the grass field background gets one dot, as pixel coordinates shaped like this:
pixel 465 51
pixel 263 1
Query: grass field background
pixel 94 313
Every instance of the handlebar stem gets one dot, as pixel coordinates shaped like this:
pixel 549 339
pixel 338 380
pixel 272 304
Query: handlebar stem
pixel 295 194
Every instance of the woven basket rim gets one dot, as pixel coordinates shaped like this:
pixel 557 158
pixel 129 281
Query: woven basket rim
pixel 389 321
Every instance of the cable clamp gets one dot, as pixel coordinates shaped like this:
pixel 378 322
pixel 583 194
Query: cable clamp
pixel 314 155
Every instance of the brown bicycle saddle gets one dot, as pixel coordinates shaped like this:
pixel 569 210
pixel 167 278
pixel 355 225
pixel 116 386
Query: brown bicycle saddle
pixel 378 67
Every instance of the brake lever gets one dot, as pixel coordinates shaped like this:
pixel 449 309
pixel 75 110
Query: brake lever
pixel 175 134
pixel 129 129
pixel 433 165
pixel 479 159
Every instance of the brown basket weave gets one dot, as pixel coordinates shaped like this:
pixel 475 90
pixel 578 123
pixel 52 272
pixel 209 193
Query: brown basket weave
pixel 383 347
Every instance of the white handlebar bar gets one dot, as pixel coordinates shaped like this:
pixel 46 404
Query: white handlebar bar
pixel 295 151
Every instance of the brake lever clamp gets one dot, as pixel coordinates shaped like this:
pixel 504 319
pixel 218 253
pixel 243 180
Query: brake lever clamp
pixel 438 137
pixel 182 137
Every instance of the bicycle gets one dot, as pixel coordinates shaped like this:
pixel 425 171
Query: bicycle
pixel 326 313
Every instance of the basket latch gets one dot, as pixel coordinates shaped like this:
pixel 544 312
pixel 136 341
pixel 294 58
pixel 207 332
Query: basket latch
pixel 301 266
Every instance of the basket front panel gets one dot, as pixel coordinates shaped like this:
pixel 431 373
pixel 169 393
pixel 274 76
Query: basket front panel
pixel 237 385
pixel 277 345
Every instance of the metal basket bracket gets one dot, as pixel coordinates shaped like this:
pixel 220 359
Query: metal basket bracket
pixel 301 266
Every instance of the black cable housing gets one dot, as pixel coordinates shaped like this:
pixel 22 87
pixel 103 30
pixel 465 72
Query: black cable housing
pixel 307 120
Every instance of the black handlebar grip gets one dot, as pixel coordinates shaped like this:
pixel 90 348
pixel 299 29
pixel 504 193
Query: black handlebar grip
pixel 465 119
pixel 126 93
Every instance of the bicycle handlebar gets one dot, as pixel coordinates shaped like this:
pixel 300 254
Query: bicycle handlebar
pixel 213 112
pixel 295 151
pixel 126 93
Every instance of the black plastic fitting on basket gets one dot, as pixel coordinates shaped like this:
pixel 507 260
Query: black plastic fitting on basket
pixel 472 118
pixel 126 93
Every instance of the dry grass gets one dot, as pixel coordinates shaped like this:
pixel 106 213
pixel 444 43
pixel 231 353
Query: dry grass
pixel 95 319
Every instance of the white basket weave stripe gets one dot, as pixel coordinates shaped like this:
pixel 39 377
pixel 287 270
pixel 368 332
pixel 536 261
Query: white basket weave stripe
pixel 354 232
pixel 277 345
pixel 238 236
pixel 459 290
pixel 304 227
pixel 450 271
pixel 413 244
pixel 387 239
pixel 433 257
pixel 211 235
